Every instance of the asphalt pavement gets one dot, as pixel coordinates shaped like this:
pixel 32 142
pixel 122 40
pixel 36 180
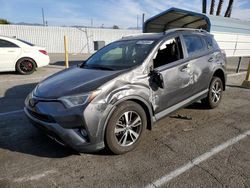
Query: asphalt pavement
pixel 208 149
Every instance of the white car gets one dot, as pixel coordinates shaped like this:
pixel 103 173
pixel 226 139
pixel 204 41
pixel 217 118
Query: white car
pixel 21 56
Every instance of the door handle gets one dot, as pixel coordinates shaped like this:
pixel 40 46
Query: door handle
pixel 211 59
pixel 185 68
pixel 11 51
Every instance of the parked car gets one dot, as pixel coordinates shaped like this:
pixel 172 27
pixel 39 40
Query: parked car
pixel 111 98
pixel 21 56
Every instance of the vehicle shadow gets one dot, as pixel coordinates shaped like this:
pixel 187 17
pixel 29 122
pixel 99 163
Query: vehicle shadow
pixel 196 106
pixel 19 135
pixel 235 86
pixel 10 73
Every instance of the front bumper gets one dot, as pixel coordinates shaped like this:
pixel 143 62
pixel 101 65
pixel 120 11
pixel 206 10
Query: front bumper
pixel 69 137
pixel 65 125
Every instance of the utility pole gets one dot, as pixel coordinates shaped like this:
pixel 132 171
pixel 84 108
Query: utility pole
pixel 143 19
pixel 91 22
pixel 137 18
pixel 43 17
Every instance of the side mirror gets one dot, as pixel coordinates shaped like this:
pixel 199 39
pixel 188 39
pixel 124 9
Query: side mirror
pixel 81 64
pixel 157 78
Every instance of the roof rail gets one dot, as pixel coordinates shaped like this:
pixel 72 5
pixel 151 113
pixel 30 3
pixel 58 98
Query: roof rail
pixel 135 34
pixel 185 29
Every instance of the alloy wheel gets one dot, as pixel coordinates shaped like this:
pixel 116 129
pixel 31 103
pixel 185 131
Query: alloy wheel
pixel 26 66
pixel 128 128
pixel 216 92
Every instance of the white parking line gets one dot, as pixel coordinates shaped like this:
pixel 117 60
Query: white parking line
pixel 11 113
pixel 168 177
pixel 34 177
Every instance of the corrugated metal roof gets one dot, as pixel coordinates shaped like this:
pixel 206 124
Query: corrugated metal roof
pixel 176 18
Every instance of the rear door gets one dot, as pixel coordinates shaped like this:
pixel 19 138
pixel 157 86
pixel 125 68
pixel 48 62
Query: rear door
pixel 199 57
pixel 9 53
pixel 171 63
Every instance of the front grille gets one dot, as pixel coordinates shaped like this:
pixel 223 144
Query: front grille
pixel 41 117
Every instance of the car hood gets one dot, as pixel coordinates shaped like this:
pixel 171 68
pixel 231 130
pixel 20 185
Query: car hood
pixel 73 81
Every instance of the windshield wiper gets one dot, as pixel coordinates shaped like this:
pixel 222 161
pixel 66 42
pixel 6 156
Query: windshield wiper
pixel 96 67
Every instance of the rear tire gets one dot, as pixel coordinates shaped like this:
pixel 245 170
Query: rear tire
pixel 25 66
pixel 214 96
pixel 125 127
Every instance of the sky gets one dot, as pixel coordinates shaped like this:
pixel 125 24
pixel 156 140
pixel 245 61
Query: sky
pixel 123 13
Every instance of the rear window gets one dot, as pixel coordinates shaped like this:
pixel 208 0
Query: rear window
pixel 28 43
pixel 194 44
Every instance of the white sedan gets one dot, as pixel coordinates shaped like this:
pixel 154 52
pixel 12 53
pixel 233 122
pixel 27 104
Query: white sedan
pixel 21 56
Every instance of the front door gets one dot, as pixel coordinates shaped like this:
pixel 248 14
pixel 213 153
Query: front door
pixel 8 55
pixel 176 73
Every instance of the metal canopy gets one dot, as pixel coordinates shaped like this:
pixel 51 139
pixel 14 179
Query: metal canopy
pixel 176 18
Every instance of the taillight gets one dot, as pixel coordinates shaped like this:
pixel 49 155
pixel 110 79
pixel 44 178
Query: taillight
pixel 44 52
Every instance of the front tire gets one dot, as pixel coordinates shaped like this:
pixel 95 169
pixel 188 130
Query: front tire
pixel 215 93
pixel 25 66
pixel 125 127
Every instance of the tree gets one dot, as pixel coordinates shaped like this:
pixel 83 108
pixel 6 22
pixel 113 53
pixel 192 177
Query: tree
pixel 219 7
pixel 220 4
pixel 4 21
pixel 204 6
pixel 212 7
pixel 115 27
pixel 229 8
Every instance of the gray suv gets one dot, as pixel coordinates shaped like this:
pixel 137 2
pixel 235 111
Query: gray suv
pixel 121 90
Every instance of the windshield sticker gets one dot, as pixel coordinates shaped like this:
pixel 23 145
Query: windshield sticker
pixel 145 42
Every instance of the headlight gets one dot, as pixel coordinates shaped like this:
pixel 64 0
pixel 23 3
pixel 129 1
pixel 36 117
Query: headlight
pixel 76 100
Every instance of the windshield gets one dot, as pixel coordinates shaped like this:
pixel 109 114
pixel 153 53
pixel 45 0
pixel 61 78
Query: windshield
pixel 120 55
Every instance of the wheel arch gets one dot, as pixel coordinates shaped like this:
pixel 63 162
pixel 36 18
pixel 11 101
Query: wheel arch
pixel 144 104
pixel 221 74
pixel 137 99
pixel 148 111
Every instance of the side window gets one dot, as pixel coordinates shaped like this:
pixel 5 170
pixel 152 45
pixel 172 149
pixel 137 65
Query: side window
pixel 194 44
pixel 215 44
pixel 169 52
pixel 7 44
pixel 209 42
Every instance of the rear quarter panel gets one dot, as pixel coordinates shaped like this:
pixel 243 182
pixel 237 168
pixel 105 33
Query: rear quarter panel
pixel 33 53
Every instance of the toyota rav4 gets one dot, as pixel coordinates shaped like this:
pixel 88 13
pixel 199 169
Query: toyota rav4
pixel 121 90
